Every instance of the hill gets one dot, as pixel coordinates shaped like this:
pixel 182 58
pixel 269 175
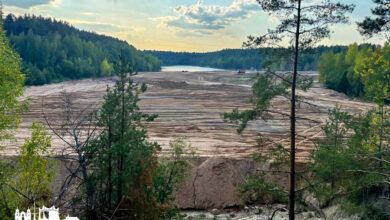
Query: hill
pixel 243 58
pixel 54 51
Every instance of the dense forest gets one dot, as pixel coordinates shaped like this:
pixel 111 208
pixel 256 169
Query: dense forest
pixel 244 58
pixel 54 51
pixel 344 71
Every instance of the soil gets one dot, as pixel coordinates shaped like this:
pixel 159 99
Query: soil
pixel 190 104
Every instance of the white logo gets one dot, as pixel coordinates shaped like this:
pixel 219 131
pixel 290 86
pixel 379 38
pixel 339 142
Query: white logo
pixel 43 214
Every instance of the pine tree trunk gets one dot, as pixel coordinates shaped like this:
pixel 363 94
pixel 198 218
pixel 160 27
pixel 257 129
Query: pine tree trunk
pixel 293 119
pixel 381 134
pixel 122 137
pixel 109 168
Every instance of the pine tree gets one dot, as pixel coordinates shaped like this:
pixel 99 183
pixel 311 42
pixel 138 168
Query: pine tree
pixel 302 24
pixel 381 22
pixel 124 160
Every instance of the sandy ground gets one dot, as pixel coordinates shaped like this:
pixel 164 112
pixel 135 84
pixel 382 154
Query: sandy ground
pixel 190 105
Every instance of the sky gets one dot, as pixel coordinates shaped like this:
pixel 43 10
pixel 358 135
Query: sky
pixel 179 25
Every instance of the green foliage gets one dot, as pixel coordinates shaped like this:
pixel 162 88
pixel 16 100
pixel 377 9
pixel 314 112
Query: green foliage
pixel 262 190
pixel 333 71
pixel 11 87
pixel 124 159
pixel 258 187
pixel 309 24
pixel 126 177
pixel 173 169
pixel 339 71
pixel 349 166
pixel 331 156
pixel 105 68
pixel 34 171
pixel 54 51
pixel 375 74
pixel 28 179
pixel 264 90
pixel 377 23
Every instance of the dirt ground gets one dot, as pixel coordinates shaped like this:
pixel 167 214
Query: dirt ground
pixel 190 105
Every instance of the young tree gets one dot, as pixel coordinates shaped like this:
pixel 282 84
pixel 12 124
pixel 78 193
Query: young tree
pixel 173 168
pixel 105 68
pixel 349 168
pixel 124 161
pixel 302 24
pixel 328 159
pixel 34 169
pixel 27 181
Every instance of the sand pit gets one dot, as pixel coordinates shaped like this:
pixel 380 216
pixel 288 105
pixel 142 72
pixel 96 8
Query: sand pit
pixel 189 105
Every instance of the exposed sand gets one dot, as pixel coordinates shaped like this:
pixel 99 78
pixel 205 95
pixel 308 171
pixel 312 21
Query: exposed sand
pixel 189 105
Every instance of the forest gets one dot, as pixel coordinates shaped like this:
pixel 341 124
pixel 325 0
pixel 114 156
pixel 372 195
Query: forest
pixel 245 58
pixel 346 71
pixel 54 51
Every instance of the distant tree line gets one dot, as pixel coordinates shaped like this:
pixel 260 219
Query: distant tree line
pixel 54 51
pixel 245 58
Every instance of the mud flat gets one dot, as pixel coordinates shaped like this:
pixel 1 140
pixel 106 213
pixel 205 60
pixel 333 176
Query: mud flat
pixel 189 104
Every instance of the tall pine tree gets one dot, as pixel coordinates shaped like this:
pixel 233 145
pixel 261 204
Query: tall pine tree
pixel 302 24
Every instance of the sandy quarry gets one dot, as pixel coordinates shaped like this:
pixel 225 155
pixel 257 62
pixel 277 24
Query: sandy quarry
pixel 189 105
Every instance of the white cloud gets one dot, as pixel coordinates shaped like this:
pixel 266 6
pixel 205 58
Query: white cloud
pixel 205 18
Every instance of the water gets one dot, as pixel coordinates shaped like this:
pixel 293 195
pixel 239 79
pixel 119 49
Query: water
pixel 188 69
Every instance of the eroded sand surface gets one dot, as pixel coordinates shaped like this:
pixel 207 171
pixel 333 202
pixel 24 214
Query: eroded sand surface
pixel 189 105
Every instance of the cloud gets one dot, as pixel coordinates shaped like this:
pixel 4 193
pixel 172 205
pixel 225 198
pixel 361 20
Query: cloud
pixel 27 3
pixel 208 18
pixel 88 13
pixel 95 26
pixel 98 27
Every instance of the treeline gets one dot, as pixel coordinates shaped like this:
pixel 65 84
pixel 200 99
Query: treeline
pixel 346 71
pixel 54 51
pixel 244 58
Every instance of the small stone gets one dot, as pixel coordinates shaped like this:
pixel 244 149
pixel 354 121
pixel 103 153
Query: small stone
pixel 258 211
pixel 232 214
pixel 215 212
